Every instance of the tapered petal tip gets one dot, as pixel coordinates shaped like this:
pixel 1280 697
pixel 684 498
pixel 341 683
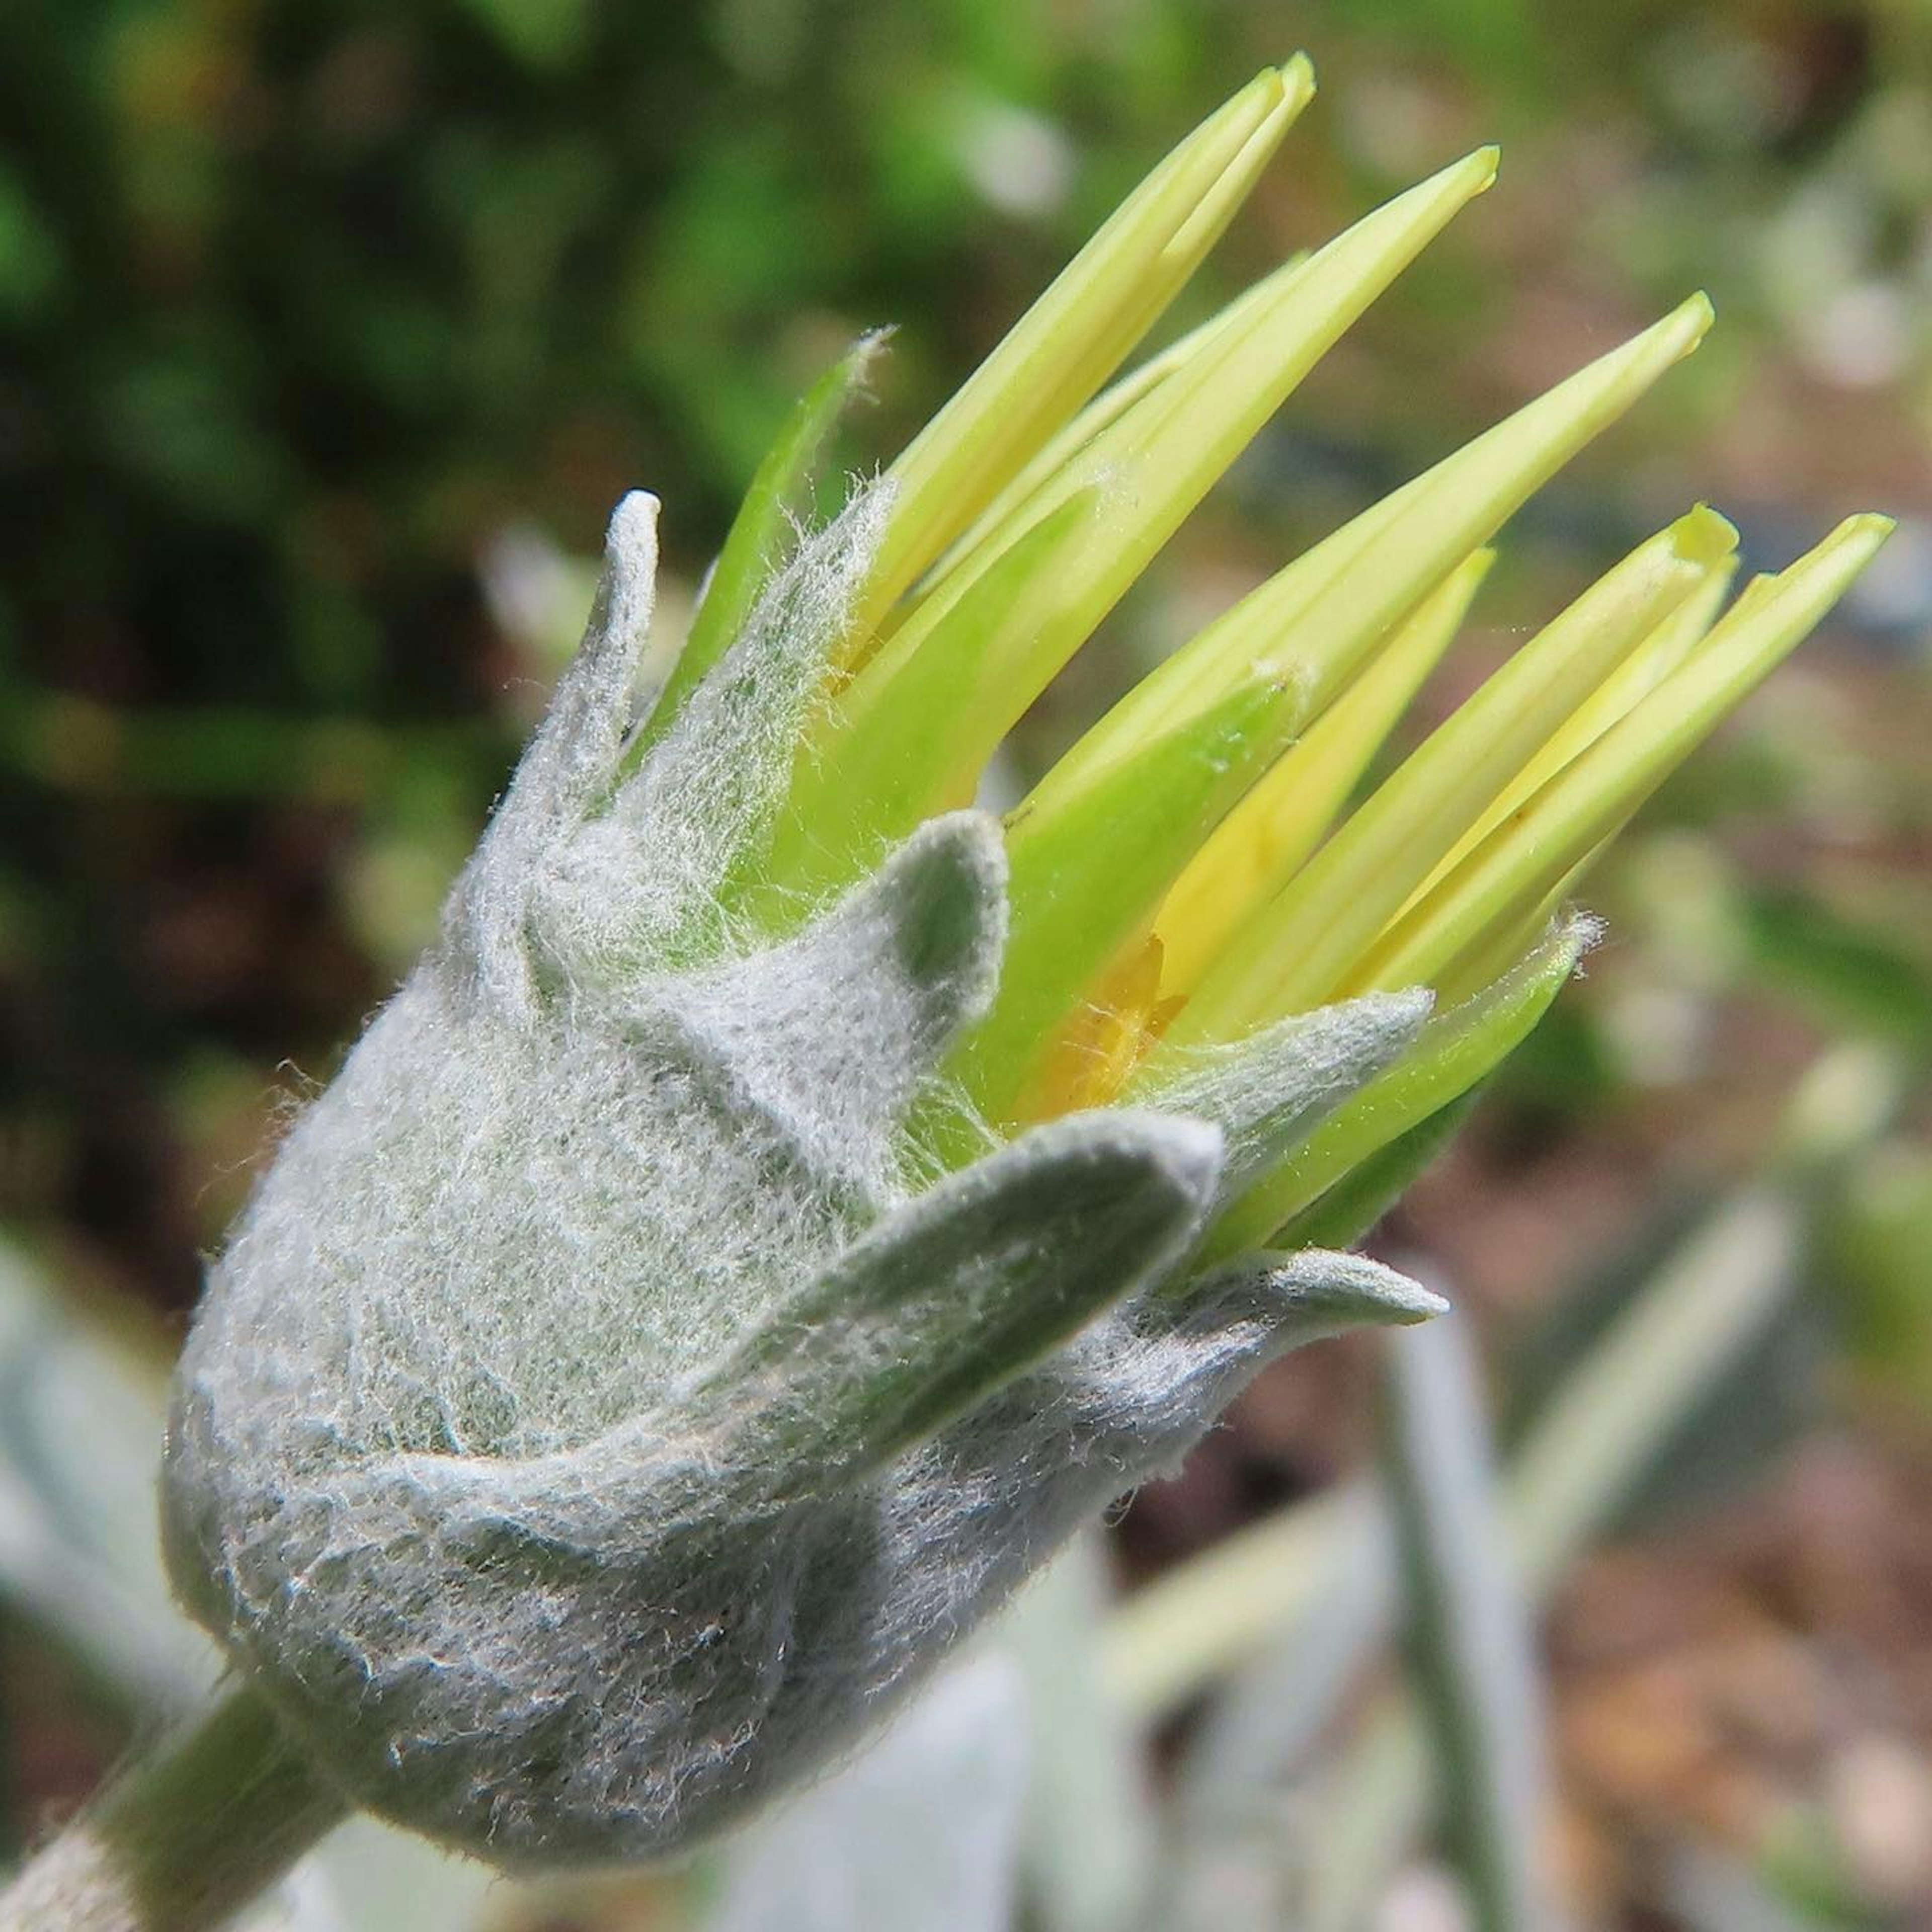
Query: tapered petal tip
pixel 1689 323
pixel 1297 77
pixel 1864 532
pixel 1702 536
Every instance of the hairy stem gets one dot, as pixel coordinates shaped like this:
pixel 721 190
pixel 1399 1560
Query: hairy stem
pixel 186 1833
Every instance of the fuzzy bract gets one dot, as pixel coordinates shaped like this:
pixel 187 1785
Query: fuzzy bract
pixel 607 1410
pixel 784 1205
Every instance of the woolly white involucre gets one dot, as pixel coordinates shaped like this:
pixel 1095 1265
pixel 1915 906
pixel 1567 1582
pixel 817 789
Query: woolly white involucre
pixel 602 1416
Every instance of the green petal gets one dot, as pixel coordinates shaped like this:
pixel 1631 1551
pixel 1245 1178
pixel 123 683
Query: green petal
pixel 909 735
pixel 1527 856
pixel 1456 1049
pixel 1079 332
pixel 1298 950
pixel 1090 862
pixel 1269 1093
pixel 762 531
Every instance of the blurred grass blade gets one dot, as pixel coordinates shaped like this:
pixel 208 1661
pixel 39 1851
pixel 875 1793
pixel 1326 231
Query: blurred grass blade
pixel 1263 842
pixel 1457 1049
pixel 1601 1432
pixel 1469 1638
pixel 77 1544
pixel 1706 1891
pixel 1268 1714
pixel 1087 1833
pixel 1165 1644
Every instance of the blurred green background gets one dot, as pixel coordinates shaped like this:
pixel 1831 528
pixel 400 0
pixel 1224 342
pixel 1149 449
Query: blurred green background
pixel 329 333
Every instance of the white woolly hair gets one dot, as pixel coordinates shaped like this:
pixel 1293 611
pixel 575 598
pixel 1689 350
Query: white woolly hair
pixel 593 1426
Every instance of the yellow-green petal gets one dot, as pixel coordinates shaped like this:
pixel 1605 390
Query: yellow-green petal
pixel 1156 462
pixel 1107 409
pixel 1526 857
pixel 1456 1049
pixel 1264 842
pixel 1089 865
pixel 1079 331
pixel 1300 948
pixel 1331 607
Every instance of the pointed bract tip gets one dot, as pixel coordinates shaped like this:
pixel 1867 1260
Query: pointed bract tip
pixel 635 516
pixel 1582 931
pixel 1326 1291
pixel 1296 75
pixel 1417 1305
pixel 1186 1153
pixel 1487 160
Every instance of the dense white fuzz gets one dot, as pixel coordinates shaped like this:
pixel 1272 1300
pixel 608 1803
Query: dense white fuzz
pixel 594 1424
pixel 1269 1092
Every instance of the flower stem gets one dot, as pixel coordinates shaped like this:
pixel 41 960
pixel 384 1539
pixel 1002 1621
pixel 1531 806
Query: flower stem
pixel 186 1833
